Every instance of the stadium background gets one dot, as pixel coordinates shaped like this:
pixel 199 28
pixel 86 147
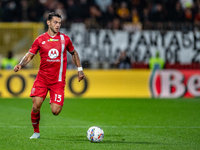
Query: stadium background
pixel 100 31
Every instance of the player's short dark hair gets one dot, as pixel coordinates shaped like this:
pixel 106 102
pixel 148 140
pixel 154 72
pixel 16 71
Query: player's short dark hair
pixel 53 14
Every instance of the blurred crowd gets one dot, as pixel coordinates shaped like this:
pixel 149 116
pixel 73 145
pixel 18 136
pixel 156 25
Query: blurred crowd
pixel 107 14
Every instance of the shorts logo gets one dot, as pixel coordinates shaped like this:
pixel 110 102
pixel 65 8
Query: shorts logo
pixel 33 91
pixel 53 53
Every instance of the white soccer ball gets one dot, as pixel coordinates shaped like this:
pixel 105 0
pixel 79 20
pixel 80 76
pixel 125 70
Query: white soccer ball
pixel 95 134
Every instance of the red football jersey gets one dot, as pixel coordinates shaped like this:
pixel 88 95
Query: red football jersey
pixel 53 53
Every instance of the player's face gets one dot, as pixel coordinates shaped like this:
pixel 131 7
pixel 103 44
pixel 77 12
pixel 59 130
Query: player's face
pixel 54 24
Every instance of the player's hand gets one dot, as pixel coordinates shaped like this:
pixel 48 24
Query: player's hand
pixel 17 68
pixel 81 76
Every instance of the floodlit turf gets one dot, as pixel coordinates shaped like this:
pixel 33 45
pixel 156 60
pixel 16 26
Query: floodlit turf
pixel 128 124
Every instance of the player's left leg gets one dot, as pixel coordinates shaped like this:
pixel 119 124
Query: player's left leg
pixel 56 97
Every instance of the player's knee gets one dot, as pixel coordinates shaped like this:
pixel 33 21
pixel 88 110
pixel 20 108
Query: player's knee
pixel 36 108
pixel 56 112
pixel 56 109
pixel 37 102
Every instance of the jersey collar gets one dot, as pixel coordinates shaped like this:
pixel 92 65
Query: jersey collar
pixel 58 34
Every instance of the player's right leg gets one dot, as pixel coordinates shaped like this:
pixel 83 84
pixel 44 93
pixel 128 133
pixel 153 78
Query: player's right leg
pixel 35 116
pixel 38 94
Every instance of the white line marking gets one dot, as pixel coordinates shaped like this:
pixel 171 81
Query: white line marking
pixel 147 127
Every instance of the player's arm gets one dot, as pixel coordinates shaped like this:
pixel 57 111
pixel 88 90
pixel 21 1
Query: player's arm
pixel 25 60
pixel 77 61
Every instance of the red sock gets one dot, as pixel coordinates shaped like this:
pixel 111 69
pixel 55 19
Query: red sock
pixel 35 118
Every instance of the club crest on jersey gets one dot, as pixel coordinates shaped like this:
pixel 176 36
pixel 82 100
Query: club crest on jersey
pixel 52 40
pixel 53 53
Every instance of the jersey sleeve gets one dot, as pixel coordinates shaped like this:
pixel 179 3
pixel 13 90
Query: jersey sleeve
pixel 35 47
pixel 70 46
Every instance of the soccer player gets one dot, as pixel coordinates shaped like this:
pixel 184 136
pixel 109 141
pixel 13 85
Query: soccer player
pixel 53 47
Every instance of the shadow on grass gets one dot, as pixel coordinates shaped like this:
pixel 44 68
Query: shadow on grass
pixel 75 140
pixel 129 142
pixel 81 139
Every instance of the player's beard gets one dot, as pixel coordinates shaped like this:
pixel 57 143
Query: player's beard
pixel 53 30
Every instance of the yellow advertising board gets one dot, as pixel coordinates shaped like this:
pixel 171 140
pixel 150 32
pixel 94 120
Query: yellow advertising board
pixel 98 83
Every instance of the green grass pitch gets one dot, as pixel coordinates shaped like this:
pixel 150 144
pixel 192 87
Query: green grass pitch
pixel 128 124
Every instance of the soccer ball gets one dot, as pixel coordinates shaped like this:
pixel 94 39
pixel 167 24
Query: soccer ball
pixel 95 134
